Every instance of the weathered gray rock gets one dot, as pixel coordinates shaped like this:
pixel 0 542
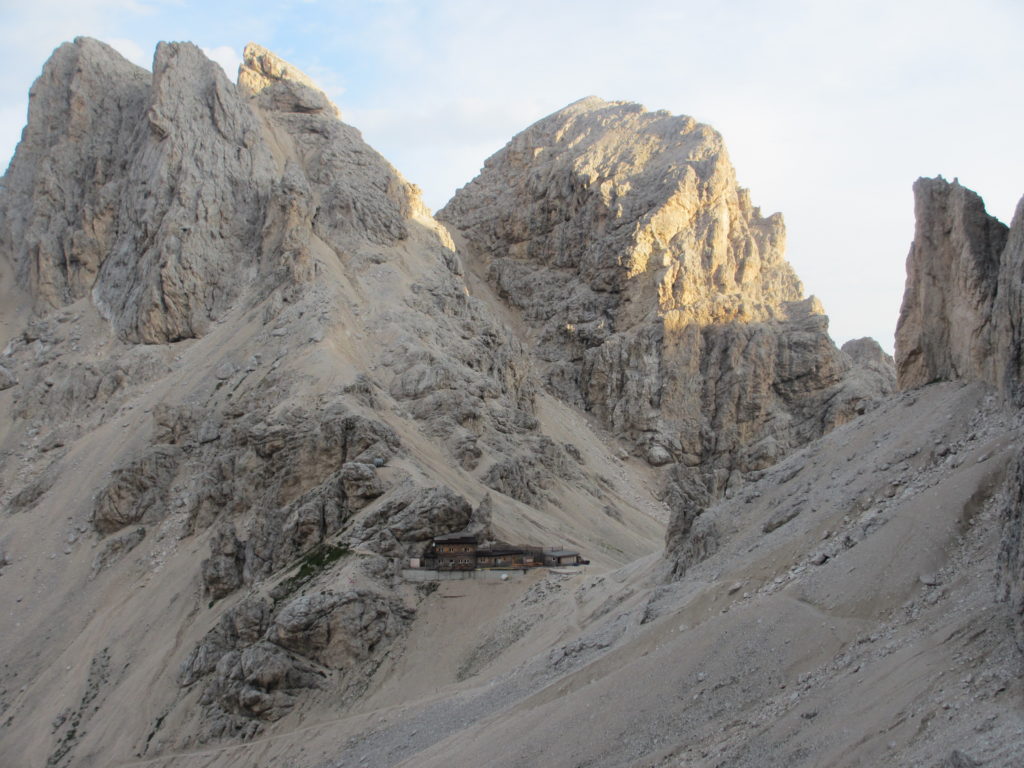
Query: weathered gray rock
pixel 361 483
pixel 242 625
pixel 1011 553
pixel 209 431
pixel 154 195
pixel 869 353
pixel 529 476
pixel 280 86
pixel 303 625
pixel 946 329
pixel 259 657
pixel 657 295
pixel 260 681
pixel 137 492
pixel 482 518
pixel 65 185
pixel 413 516
pixel 7 379
pixel 59 390
pixel 356 195
pixel 190 248
pixel 691 536
pixel 1009 309
pixel 173 424
pixel 160 185
pixel 222 572
pixel 115 548
pixel 338 629
pixel 870 378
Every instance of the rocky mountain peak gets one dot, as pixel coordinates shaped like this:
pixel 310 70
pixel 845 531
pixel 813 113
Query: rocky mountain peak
pixel 632 202
pixel 656 294
pixel 280 83
pixel 159 196
pixel 965 272
pixel 945 326
pixel 64 184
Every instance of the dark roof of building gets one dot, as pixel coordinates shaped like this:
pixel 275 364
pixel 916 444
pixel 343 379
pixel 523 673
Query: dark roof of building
pixel 456 538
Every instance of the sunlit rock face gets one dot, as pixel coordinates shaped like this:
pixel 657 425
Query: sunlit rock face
pixel 656 293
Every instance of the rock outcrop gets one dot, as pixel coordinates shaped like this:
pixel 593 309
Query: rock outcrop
pixel 962 320
pixel 64 188
pixel 1009 311
pixel 656 293
pixel 947 329
pixel 169 182
pixel 1011 553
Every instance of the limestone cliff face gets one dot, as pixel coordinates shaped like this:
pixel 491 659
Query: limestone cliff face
pixel 64 187
pixel 167 204
pixel 161 195
pixel 1009 311
pixel 947 329
pixel 962 320
pixel 327 360
pixel 656 294
pixel 1011 552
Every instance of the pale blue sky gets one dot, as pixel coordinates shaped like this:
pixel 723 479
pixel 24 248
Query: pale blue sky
pixel 830 110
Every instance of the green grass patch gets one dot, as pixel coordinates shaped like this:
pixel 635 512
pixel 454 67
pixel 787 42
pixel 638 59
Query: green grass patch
pixel 314 562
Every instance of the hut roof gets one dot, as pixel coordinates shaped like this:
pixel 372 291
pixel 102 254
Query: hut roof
pixel 455 538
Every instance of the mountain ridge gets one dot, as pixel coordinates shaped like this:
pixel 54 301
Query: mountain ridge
pixel 257 376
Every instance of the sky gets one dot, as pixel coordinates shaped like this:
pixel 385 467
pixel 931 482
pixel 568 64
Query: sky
pixel 830 110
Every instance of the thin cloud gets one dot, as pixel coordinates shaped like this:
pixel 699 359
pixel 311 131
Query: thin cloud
pixel 228 58
pixel 131 51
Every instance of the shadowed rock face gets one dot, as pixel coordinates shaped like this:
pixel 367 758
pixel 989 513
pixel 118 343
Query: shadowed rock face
pixel 1011 553
pixel 1010 311
pixel 946 328
pixel 657 295
pixel 962 320
pixel 962 308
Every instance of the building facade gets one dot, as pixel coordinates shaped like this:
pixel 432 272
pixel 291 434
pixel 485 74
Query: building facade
pixel 463 552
